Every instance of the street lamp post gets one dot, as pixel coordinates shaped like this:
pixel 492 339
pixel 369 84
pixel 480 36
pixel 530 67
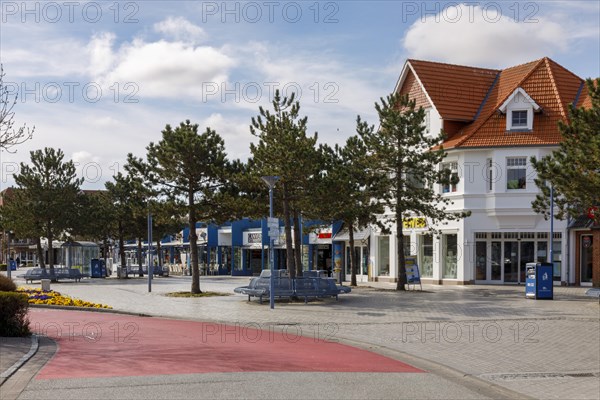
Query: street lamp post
pixel 271 181
pixel 8 271
pixel 150 266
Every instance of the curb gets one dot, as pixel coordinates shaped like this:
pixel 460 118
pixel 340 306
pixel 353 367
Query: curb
pixel 90 309
pixel 15 367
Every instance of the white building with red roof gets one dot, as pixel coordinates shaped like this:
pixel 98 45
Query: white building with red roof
pixel 495 120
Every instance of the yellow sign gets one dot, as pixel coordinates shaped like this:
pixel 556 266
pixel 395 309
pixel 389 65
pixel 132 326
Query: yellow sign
pixel 414 222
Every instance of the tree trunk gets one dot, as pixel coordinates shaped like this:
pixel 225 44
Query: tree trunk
pixel 40 251
pixel 158 255
pixel 105 251
pixel 298 243
pixel 193 244
pixel 401 285
pixel 289 251
pixel 51 255
pixel 122 246
pixel 139 251
pixel 353 266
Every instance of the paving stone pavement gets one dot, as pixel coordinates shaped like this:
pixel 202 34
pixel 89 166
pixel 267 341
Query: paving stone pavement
pixel 544 349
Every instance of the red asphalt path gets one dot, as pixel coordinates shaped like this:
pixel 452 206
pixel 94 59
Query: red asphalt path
pixel 93 344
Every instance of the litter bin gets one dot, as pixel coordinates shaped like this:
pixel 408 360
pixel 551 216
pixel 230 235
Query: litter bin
pixel 13 265
pixel 538 282
pixel 98 268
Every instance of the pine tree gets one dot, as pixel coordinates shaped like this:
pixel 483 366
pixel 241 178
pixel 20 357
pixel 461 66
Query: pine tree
pixel 285 150
pixel 50 187
pixel 193 167
pixel 406 163
pixel 346 190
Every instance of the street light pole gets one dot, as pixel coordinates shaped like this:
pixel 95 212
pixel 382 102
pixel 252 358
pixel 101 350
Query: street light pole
pixel 8 271
pixel 150 266
pixel 271 181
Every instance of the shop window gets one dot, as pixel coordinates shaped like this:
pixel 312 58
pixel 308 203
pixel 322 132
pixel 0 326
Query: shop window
pixel 450 255
pixel 383 250
pixel 480 261
pixel 237 259
pixel 427 256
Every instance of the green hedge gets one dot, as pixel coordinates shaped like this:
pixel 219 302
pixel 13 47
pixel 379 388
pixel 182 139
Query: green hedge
pixel 13 314
pixel 2 267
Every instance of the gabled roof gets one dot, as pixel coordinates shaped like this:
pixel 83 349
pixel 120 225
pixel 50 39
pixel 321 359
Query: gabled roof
pixel 514 94
pixel 476 95
pixel 456 90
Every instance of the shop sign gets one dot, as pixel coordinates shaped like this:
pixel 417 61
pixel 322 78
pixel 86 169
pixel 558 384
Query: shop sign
pixel 252 238
pixel 414 223
pixel 586 241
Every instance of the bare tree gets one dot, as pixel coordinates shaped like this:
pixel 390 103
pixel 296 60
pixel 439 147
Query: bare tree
pixel 9 135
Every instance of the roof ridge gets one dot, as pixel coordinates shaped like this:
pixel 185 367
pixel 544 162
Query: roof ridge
pixel 554 87
pixel 453 65
pixel 483 120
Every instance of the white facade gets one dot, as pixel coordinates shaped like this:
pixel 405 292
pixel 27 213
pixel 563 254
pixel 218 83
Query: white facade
pixel 502 234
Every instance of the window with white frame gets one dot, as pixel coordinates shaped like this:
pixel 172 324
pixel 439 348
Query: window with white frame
pixel 519 119
pixel 516 173
pixel 453 168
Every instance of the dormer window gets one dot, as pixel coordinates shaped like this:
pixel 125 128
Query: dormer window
pixel 519 119
pixel 519 109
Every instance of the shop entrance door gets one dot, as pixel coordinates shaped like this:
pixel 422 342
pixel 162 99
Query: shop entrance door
pixel 586 259
pixel 516 256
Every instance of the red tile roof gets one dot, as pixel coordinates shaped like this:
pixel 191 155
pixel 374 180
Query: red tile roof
pixel 445 85
pixel 483 92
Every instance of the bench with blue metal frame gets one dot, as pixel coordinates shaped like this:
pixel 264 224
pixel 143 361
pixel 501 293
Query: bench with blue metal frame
pixel 305 287
pixel 59 273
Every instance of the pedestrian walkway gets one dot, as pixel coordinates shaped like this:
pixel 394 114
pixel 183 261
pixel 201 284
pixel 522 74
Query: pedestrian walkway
pixel 490 334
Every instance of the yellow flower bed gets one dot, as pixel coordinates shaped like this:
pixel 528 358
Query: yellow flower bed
pixel 38 296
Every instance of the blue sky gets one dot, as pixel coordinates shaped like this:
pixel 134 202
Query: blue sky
pixel 101 79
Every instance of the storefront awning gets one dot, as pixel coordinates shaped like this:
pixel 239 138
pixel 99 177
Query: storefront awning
pixel 581 222
pixel 344 235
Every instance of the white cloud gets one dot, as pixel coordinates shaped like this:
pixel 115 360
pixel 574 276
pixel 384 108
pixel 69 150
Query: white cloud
pixel 100 53
pixel 167 69
pixel 476 36
pixel 180 29
pixel 82 157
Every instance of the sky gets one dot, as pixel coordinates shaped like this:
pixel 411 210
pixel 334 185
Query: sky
pixel 101 79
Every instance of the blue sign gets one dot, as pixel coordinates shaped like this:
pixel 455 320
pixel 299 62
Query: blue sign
pixel 539 282
pixel 413 276
pixel 13 265
pixel 545 288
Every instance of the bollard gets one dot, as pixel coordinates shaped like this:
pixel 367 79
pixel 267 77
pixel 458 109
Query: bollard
pixel 46 285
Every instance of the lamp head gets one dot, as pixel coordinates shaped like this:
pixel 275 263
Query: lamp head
pixel 270 180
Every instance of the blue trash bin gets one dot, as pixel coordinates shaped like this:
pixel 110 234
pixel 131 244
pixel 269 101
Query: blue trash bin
pixel 13 265
pixel 97 267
